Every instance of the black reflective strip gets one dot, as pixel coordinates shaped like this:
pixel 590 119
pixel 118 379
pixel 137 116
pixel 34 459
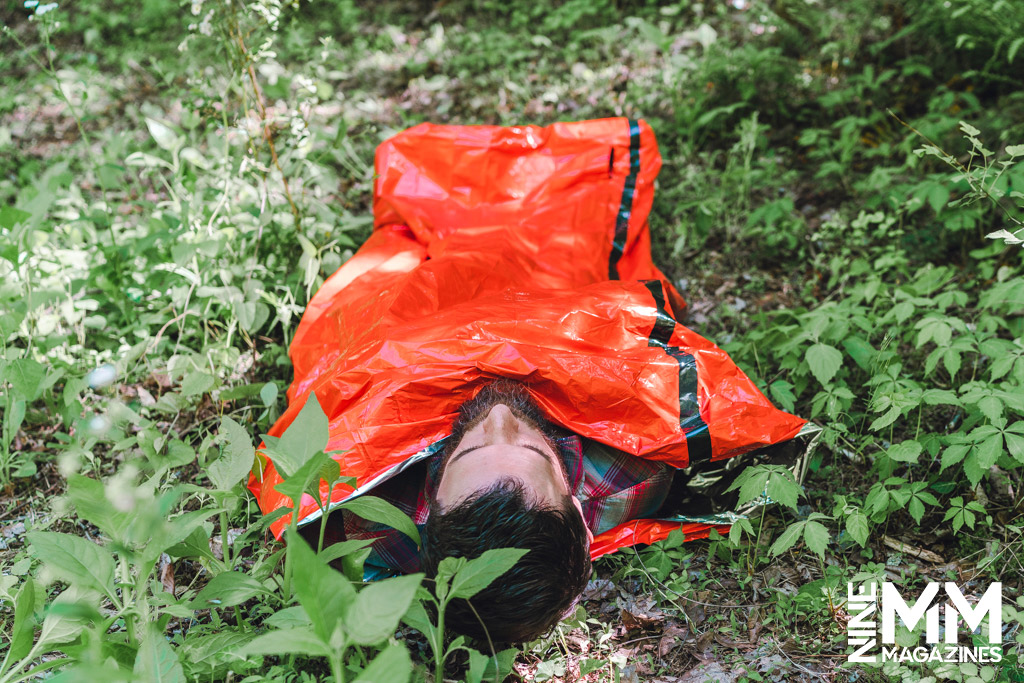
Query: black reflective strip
pixel 626 202
pixel 698 439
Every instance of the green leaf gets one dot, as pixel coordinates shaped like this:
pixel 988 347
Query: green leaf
pixel 782 392
pixel 164 136
pixel 416 616
pixel 324 593
pixel 783 489
pixel 392 665
pixel 857 527
pixel 289 617
pixel 992 407
pixel 905 451
pixel 916 509
pixel 23 632
pixel 374 509
pixel 885 420
pixel 69 614
pixel 377 609
pixel 75 560
pixel 268 394
pixel 292 641
pixel 860 351
pixel 1015 444
pixel 157 662
pixel 235 460
pixel 816 536
pixel 973 469
pixel 824 361
pixel 787 539
pixel 988 451
pixel 953 455
pixel 341 549
pixel 10 216
pixel 751 483
pixel 303 439
pixel 196 383
pixel 26 376
pixel 480 572
pixel 305 480
pixel 91 503
pixel 228 589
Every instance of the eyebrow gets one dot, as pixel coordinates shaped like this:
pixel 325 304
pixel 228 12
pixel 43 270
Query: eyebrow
pixel 461 453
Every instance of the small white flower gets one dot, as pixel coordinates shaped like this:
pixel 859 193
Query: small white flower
pixel 43 9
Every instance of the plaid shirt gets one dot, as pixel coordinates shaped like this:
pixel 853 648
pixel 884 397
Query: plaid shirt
pixel 612 486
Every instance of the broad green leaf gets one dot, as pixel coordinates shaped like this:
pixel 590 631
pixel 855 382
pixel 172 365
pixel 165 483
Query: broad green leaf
pixel 305 480
pixel 860 351
pixel 416 616
pixel 69 614
pixel 477 574
pixel 23 632
pixel 787 539
pixel 196 383
pixel 292 641
pixel 162 133
pixel 324 593
pixel 992 407
pixel 885 420
pixel 157 662
pixel 343 548
pixel 751 482
pixel 374 509
pixel 303 439
pixel 916 509
pixel 816 536
pixel 782 392
pixel 228 589
pixel 782 488
pixel 90 500
pixel 988 451
pixel 377 609
pixel 268 394
pixel 26 376
pixel 857 527
pixel 477 666
pixel 952 455
pixel 204 654
pixel 10 216
pixel 289 617
pixel 235 460
pixel 75 560
pixel 392 665
pixel 973 468
pixel 824 361
pixel 905 451
pixel 1015 444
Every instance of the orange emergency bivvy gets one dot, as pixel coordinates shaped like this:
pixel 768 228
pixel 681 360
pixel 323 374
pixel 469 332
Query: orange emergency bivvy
pixel 518 252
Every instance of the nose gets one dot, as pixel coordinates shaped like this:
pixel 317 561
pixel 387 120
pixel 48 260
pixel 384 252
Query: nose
pixel 501 423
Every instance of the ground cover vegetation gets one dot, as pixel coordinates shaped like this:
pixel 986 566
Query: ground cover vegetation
pixel 840 203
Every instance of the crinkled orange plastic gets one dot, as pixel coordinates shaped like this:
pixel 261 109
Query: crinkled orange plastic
pixel 518 252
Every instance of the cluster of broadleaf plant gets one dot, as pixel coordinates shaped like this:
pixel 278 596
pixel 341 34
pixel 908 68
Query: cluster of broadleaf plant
pixel 101 610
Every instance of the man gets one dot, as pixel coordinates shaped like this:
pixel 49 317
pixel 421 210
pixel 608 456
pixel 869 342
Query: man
pixel 503 362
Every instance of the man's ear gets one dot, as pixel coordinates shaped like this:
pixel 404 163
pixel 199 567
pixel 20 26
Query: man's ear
pixel 579 508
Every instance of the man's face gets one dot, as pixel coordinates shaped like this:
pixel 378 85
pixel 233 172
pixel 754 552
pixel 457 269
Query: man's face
pixel 501 436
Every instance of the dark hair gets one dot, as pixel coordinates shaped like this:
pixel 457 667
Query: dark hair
pixel 529 599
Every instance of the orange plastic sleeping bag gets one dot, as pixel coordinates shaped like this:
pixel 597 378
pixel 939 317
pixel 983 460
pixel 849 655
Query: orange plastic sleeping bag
pixel 518 252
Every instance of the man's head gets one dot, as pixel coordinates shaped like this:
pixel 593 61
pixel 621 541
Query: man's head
pixel 503 485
